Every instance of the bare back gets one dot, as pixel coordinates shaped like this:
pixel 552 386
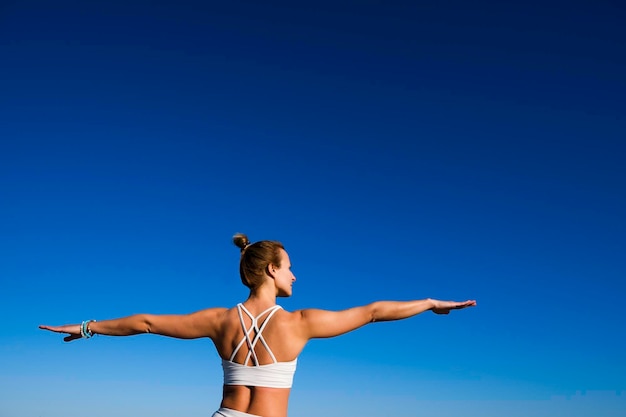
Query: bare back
pixel 280 334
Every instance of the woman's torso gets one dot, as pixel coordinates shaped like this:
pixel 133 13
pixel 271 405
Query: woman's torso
pixel 282 336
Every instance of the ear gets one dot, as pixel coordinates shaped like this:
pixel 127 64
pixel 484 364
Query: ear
pixel 271 271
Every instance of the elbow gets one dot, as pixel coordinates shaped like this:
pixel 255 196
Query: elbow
pixel 374 312
pixel 144 323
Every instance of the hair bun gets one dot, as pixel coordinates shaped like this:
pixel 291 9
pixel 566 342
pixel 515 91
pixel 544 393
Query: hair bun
pixel 241 241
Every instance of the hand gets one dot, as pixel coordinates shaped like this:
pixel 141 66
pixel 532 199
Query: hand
pixel 444 307
pixel 73 330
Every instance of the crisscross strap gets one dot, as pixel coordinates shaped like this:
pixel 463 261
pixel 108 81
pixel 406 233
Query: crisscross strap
pixel 258 333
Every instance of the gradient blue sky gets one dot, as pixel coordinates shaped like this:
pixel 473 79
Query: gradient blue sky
pixel 452 150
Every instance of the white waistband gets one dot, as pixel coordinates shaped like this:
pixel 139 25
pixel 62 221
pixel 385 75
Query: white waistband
pixel 227 412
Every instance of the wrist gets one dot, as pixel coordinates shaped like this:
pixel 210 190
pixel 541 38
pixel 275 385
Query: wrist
pixel 90 326
pixel 85 329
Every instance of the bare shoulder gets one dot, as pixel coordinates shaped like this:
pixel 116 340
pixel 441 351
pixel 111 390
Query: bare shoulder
pixel 213 318
pixel 318 323
pixel 300 320
pixel 293 320
pixel 217 315
pixel 296 315
pixel 213 312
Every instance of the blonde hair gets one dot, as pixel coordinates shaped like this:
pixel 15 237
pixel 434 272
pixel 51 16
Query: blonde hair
pixel 256 258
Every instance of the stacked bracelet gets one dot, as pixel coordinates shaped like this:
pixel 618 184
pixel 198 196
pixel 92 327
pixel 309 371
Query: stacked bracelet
pixel 84 329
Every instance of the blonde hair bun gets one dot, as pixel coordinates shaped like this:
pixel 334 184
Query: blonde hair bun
pixel 241 241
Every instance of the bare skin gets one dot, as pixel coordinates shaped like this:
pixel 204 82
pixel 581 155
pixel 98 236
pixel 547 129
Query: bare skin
pixel 287 333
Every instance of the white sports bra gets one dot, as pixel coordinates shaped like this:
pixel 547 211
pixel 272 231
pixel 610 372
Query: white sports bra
pixel 273 375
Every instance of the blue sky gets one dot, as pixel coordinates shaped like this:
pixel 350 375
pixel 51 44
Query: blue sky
pixel 399 151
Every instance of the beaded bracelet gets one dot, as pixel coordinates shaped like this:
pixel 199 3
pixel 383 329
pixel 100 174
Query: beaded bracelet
pixel 84 329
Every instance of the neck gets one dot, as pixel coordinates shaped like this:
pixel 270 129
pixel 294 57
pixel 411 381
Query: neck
pixel 263 296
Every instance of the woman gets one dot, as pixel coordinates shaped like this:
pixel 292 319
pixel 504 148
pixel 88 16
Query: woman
pixel 258 341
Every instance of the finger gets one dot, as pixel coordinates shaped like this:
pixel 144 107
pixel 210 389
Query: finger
pixel 50 328
pixel 56 329
pixel 466 304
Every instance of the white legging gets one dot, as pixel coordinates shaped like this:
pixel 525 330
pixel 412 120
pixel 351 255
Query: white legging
pixel 227 412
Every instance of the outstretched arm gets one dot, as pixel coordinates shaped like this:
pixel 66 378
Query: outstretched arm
pixel 322 323
pixel 203 323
